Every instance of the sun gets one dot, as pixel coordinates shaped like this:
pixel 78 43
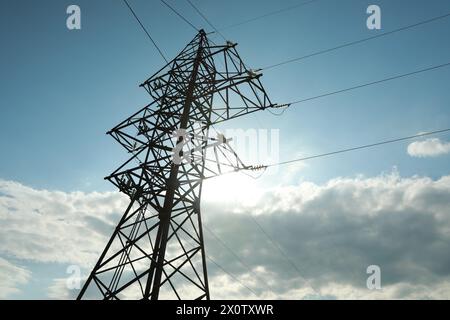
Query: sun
pixel 230 188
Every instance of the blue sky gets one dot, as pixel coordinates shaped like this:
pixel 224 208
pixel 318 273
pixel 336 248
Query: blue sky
pixel 62 90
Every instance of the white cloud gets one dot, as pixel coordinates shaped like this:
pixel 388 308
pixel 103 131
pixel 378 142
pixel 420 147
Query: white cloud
pixel 59 290
pixel 53 226
pixel 11 276
pixel 432 147
pixel 331 233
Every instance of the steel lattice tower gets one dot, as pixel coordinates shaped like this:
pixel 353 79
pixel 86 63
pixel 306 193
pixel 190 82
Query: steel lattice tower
pixel 157 249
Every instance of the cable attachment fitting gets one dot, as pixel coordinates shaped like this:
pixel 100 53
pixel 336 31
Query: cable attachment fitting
pixel 254 73
pixel 283 106
pixel 257 167
pixel 230 44
pixel 276 105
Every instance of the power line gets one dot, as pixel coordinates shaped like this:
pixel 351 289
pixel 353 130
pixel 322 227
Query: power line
pixel 360 147
pixel 145 30
pixel 285 256
pixel 206 19
pixel 367 84
pixel 356 42
pixel 231 275
pixel 220 267
pixel 268 14
pixel 214 28
pixel 179 15
pixel 236 256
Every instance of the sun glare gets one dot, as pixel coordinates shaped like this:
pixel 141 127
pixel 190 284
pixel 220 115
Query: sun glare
pixel 234 187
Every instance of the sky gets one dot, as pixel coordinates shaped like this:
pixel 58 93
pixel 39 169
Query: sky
pixel 62 90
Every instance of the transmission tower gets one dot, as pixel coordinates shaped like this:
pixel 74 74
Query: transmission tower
pixel 157 249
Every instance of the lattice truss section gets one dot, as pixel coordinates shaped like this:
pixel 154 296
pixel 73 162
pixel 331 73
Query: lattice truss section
pixel 171 153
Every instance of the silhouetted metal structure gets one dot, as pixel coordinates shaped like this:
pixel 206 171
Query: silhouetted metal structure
pixel 157 248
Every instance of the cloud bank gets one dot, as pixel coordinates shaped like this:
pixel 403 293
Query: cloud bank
pixel 316 240
pixel 53 226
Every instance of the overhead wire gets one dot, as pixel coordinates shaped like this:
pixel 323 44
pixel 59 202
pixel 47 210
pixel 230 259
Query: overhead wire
pixel 283 254
pixel 232 276
pixel 348 44
pixel 206 19
pixel 146 31
pixel 242 262
pixel 365 146
pixel 366 84
pixel 268 14
pixel 191 242
pixel 179 15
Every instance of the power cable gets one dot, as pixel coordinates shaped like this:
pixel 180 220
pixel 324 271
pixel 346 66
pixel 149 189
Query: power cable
pixel 179 15
pixel 360 147
pixel 285 256
pixel 268 14
pixel 232 276
pixel 236 256
pixel 366 84
pixel 145 30
pixel 220 267
pixel 206 19
pixel 356 42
